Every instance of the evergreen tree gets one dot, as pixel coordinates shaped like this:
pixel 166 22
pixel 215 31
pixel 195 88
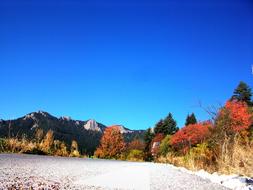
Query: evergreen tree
pixel 168 126
pixel 243 93
pixel 191 119
pixel 148 137
pixel 159 127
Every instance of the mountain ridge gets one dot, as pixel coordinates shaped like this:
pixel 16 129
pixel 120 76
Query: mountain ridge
pixel 87 133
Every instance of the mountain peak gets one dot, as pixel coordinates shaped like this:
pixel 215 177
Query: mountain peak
pixel 42 113
pixel 37 113
pixel 67 118
pixel 92 125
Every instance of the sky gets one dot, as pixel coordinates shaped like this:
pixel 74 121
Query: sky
pixel 123 62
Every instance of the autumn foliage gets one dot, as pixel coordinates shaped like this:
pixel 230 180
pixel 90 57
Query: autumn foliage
pixel 136 145
pixel 234 116
pixel 111 144
pixel 190 135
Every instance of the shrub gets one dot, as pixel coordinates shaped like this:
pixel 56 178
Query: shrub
pixel 165 146
pixel 2 145
pixel 189 136
pixel 60 148
pixel 135 155
pixel 199 157
pixel 74 149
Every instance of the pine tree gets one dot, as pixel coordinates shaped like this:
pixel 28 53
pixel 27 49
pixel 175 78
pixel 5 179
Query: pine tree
pixel 168 126
pixel 191 119
pixel 148 137
pixel 159 126
pixel 243 93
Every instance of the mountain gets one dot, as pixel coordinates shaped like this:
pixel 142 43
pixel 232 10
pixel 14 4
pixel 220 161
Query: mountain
pixel 86 133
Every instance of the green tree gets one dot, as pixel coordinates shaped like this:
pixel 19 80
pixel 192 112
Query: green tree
pixel 242 93
pixel 191 119
pixel 159 126
pixel 165 146
pixel 148 137
pixel 168 126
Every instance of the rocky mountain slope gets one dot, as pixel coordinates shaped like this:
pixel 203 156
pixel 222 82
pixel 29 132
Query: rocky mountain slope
pixel 86 133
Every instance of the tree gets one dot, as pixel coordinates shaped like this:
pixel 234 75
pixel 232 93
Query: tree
pixel 190 135
pixel 242 93
pixel 112 144
pixel 234 117
pixel 159 126
pixel 191 119
pixel 47 142
pixel 74 149
pixel 168 126
pixel 148 137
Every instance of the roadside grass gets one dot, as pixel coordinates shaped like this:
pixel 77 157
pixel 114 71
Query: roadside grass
pixel 41 146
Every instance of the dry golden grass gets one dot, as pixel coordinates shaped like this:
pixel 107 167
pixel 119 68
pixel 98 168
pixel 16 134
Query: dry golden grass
pixel 40 145
pixel 235 158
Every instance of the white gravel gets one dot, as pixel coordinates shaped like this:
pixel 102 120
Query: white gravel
pixel 46 172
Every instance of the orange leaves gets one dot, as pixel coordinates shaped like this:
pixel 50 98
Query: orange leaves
pixel 235 116
pixel 111 144
pixel 190 135
pixel 136 145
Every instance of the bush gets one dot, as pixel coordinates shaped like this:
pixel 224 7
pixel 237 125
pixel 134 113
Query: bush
pixel 165 146
pixel 135 155
pixel 60 148
pixel 199 157
pixel 47 146
pixel 2 145
pixel 74 149
pixel 189 136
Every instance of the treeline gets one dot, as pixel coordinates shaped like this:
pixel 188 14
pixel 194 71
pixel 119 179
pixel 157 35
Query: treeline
pixel 42 144
pixel 223 144
pixel 113 146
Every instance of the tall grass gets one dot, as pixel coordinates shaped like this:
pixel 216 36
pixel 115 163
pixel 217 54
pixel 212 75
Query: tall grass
pixel 45 145
pixel 230 157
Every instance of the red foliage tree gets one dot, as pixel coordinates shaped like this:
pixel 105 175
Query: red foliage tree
pixel 111 144
pixel 235 116
pixel 190 135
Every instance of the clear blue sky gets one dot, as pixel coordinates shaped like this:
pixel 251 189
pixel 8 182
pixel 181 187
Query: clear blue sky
pixel 122 62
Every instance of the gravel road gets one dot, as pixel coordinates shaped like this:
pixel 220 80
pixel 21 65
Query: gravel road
pixel 19 171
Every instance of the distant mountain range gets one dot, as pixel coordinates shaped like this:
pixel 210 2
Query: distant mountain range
pixel 86 133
